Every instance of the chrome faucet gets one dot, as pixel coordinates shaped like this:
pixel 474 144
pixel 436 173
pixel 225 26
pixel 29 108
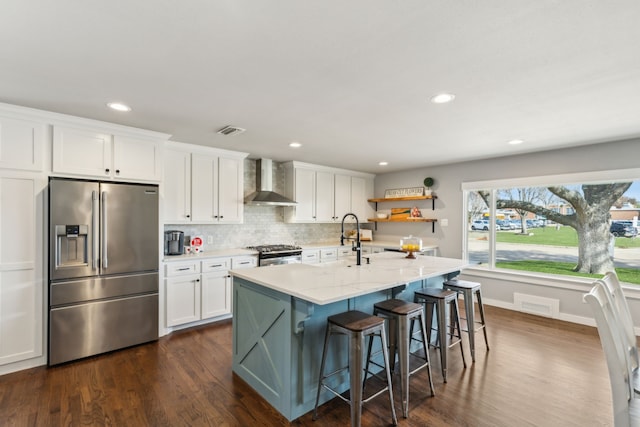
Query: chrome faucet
pixel 357 248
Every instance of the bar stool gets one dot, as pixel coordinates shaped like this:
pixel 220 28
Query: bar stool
pixel 356 325
pixel 437 299
pixel 401 315
pixel 468 289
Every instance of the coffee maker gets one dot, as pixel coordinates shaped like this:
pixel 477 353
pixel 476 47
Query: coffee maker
pixel 173 242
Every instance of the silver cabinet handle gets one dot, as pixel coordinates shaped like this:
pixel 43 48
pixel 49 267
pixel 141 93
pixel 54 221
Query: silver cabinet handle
pixel 215 265
pixel 95 223
pixel 105 258
pixel 183 269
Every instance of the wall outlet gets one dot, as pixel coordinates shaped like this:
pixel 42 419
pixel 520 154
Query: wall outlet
pixel 209 240
pixel 444 222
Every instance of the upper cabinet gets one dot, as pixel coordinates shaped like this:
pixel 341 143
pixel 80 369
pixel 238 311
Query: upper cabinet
pixel 103 155
pixel 21 143
pixel 203 185
pixel 325 195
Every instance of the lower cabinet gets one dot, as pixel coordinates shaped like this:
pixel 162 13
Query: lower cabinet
pixel 200 289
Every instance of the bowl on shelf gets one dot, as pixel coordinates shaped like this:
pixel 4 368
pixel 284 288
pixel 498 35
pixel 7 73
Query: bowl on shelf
pixel 381 215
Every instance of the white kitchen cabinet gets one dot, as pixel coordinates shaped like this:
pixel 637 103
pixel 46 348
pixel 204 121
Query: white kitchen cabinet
pixel 203 186
pixel 183 299
pixel 21 144
pixel 137 159
pixel 216 287
pixel 326 194
pixel 102 155
pixel 200 289
pixel 328 254
pixel 310 256
pixel 21 266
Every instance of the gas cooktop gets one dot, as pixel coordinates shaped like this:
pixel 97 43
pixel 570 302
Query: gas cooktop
pixel 274 248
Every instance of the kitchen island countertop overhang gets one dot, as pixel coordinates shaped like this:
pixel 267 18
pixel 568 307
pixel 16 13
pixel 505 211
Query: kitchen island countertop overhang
pixel 327 283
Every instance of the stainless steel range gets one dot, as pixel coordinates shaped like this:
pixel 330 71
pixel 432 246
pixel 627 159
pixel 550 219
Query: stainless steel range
pixel 277 254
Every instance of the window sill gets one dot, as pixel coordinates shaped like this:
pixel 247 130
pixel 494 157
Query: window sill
pixel 581 284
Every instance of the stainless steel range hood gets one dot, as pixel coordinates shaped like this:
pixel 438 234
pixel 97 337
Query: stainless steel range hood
pixel 264 194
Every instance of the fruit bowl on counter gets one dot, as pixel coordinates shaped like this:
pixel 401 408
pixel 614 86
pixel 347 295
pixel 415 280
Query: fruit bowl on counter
pixel 411 245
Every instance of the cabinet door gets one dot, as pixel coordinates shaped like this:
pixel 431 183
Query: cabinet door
pixel 230 190
pixel 204 172
pixel 359 195
pixel 21 275
pixel 177 187
pixel 81 152
pixel 137 159
pixel 342 197
pixel 216 294
pixel 325 197
pixel 183 299
pixel 305 195
pixel 21 144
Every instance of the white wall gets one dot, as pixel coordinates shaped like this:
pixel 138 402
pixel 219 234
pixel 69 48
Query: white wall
pixel 499 290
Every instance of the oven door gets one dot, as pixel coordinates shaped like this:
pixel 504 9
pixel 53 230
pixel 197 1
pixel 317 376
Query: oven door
pixel 287 259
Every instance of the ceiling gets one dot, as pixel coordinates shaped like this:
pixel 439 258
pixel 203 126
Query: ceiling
pixel 350 80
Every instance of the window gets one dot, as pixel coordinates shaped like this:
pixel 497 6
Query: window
pixel 582 225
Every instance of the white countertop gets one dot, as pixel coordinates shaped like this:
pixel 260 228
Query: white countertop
pixel 326 283
pixel 209 254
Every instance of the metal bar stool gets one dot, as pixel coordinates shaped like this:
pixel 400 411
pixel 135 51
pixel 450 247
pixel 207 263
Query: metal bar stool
pixel 437 299
pixel 356 325
pixel 401 315
pixel 468 289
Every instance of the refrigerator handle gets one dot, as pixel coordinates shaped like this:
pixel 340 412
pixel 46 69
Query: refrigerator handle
pixel 94 230
pixel 105 259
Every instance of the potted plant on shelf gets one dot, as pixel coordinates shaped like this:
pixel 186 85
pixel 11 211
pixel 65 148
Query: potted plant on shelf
pixel 428 183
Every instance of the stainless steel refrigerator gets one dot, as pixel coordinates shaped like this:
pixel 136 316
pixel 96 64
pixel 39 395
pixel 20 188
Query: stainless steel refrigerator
pixel 103 267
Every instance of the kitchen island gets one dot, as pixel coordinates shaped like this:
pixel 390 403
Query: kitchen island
pixel 280 317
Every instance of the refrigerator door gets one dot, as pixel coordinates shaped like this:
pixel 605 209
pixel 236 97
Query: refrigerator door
pixel 129 228
pixel 73 228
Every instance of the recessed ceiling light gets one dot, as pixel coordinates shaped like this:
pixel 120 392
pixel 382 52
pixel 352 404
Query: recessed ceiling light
pixel 443 98
pixel 515 142
pixel 295 144
pixel 383 163
pixel 119 106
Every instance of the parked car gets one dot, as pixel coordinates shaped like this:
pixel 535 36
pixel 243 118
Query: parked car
pixel 482 224
pixel 622 229
pixel 505 225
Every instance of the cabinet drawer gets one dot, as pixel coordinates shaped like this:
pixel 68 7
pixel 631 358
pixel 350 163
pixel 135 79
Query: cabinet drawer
pixel 328 254
pixel 244 262
pixel 216 264
pixel 311 257
pixel 180 268
pixel 345 251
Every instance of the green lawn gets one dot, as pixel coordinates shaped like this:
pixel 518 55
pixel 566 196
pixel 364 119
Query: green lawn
pixel 565 236
pixel 629 275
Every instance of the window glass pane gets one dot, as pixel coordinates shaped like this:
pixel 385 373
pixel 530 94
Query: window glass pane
pixel 582 230
pixel 478 235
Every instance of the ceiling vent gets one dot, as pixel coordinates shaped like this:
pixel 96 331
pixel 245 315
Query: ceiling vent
pixel 230 130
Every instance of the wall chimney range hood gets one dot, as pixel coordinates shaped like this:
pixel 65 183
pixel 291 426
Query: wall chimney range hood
pixel 264 194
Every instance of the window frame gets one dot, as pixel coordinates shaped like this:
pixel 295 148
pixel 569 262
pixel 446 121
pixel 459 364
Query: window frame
pixel 490 270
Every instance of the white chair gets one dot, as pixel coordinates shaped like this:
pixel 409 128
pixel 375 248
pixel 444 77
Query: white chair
pixel 626 409
pixel 623 314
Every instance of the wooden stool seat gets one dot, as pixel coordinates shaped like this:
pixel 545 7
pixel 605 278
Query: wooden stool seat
pixel 401 315
pixel 356 325
pixel 356 321
pixel 468 290
pixel 436 299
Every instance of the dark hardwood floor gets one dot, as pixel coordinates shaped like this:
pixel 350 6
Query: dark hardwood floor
pixel 539 372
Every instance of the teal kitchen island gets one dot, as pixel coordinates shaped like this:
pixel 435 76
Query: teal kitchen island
pixel 280 314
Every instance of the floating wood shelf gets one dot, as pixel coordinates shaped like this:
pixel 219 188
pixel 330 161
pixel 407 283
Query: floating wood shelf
pixel 400 199
pixel 432 221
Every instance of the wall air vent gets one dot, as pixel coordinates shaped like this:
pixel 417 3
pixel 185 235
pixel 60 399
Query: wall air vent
pixel 230 130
